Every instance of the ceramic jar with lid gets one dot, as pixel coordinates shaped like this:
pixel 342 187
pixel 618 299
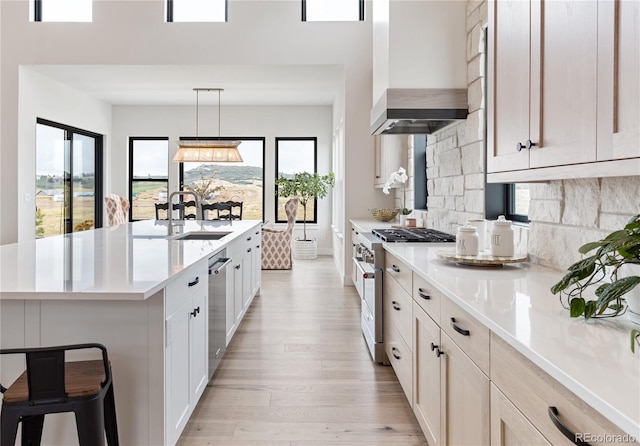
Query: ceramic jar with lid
pixel 502 238
pixel 467 241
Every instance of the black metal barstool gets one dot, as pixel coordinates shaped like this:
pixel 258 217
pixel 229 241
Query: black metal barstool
pixel 51 385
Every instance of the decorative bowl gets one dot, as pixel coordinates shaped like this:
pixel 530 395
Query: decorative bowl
pixel 384 214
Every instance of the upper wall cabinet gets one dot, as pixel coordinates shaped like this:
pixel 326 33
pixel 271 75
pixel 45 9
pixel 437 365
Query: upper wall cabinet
pixel 563 92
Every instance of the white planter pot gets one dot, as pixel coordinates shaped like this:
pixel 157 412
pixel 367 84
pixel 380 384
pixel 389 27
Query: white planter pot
pixel 305 249
pixel 402 219
pixel 632 297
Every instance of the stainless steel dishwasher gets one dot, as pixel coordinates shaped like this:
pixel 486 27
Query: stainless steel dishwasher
pixel 217 308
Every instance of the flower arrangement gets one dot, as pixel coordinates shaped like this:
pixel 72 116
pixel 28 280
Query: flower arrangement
pixel 397 178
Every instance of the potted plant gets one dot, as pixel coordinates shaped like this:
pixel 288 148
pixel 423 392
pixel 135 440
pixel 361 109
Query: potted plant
pixel 615 269
pixel 306 186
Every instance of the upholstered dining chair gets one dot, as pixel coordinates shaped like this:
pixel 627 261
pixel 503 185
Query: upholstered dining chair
pixel 276 244
pixel 117 209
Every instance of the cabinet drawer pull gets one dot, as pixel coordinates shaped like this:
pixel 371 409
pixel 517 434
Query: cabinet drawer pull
pixel 395 268
pixel 257 232
pixel 526 145
pixel 395 305
pixel 195 282
pixel 423 295
pixel 248 249
pixel 437 349
pixel 195 312
pixel 248 239
pixel 237 266
pixel 572 437
pixel 459 329
pixel 394 352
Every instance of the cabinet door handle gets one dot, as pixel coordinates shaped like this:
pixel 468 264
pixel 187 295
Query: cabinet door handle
pixel 195 282
pixel 195 312
pixel 248 249
pixel 248 239
pixel 237 266
pixel 437 349
pixel 526 145
pixel 459 329
pixel 395 268
pixel 395 305
pixel 257 232
pixel 571 436
pixel 394 352
pixel 423 295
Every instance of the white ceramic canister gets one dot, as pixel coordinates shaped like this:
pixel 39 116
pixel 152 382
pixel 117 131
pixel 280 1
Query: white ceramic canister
pixel 467 241
pixel 502 238
pixel 481 226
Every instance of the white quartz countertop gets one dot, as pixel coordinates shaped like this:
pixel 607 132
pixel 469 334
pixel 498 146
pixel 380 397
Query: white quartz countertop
pixel 125 262
pixel 591 358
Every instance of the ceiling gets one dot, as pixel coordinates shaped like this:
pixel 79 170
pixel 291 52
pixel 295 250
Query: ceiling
pixel 174 84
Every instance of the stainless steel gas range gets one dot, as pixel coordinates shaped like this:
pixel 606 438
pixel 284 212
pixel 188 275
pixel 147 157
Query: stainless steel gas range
pixel 367 273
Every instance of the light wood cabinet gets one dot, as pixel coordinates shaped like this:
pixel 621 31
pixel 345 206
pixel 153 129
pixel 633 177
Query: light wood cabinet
pixel 508 426
pixel 426 375
pixel 618 79
pixel 390 153
pixel 465 398
pixel 549 119
pixel 535 393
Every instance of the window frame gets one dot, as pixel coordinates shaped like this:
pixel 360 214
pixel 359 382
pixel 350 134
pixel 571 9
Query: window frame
pixel 132 139
pixel 510 205
pixel 361 17
pixel 169 17
pixel 98 166
pixel 315 170
pixel 230 138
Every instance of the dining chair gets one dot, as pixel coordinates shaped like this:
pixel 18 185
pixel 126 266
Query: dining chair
pixel 276 243
pixel 117 209
pixel 224 210
pixel 164 207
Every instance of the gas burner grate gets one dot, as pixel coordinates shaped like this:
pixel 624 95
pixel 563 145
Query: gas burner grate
pixel 413 235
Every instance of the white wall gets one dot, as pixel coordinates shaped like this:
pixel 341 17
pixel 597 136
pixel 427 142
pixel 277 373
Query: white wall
pixel 41 97
pixel 237 121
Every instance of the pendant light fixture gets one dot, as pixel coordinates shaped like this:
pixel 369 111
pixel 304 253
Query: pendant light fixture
pixel 208 150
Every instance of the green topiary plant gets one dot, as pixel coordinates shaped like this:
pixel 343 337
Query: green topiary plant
pixel 306 186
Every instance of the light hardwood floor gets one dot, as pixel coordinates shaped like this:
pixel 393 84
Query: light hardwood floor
pixel 298 373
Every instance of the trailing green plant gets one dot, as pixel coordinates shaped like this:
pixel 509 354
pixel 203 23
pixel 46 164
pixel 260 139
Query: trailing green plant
pixel 616 249
pixel 305 186
pixel 635 339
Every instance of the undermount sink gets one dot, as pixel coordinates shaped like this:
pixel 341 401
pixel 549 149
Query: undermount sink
pixel 202 236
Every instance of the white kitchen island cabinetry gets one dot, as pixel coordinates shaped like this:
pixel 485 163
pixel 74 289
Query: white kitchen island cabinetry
pixel 186 346
pixel 243 276
pixel 128 288
pixel 546 120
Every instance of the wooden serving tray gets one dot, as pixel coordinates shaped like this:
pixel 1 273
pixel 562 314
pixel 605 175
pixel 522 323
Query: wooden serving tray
pixel 482 259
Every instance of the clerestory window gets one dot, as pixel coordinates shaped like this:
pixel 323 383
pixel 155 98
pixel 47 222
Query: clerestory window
pixel 196 10
pixel 60 10
pixel 332 10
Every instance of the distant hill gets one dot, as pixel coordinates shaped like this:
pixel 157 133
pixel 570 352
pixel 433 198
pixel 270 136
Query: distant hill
pixel 229 173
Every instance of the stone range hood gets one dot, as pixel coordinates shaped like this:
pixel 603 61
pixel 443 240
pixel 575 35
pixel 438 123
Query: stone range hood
pixel 418 110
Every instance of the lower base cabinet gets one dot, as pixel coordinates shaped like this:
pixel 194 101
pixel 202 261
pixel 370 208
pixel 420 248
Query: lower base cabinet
pixel 508 426
pixel 465 398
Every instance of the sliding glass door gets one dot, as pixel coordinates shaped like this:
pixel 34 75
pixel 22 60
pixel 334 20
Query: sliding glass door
pixel 68 179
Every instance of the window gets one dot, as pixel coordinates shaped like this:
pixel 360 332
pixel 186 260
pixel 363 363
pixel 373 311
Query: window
pixel 518 196
pixel 231 181
pixel 148 175
pixel 296 155
pixel 196 10
pixel 60 10
pixel 332 10
pixel 68 179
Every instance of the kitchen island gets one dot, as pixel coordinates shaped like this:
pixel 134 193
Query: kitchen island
pixel 133 289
